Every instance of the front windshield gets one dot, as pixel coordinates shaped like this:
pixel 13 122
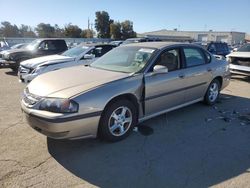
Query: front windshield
pixel 244 48
pixel 33 45
pixel 128 59
pixel 76 51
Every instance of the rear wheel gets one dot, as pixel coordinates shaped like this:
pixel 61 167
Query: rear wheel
pixel 117 121
pixel 213 92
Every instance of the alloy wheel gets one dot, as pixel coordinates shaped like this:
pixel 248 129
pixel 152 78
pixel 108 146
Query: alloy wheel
pixel 120 121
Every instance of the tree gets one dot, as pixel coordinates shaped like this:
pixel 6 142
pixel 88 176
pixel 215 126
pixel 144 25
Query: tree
pixel 45 30
pixel 115 30
pixel 59 32
pixel 26 31
pixel 87 33
pixel 72 31
pixel 8 30
pixel 102 24
pixel 127 29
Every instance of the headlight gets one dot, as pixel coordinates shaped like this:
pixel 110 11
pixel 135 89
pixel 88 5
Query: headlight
pixel 38 70
pixel 58 105
pixel 229 59
pixel 11 57
pixel 6 56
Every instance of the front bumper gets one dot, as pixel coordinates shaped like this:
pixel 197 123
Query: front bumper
pixel 7 64
pixel 239 69
pixel 25 75
pixel 63 127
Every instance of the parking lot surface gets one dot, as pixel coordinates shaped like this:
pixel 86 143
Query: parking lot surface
pixel 196 146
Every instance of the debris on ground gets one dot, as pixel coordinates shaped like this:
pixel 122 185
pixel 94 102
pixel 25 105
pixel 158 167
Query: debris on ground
pixel 227 119
pixel 235 112
pixel 229 115
pixel 208 119
pixel 245 119
pixel 215 107
pixel 135 129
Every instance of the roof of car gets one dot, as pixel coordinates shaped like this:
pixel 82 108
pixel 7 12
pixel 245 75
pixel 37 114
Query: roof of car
pixel 95 44
pixel 50 39
pixel 157 45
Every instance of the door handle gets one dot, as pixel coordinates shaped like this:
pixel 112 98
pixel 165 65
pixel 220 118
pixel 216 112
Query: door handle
pixel 181 76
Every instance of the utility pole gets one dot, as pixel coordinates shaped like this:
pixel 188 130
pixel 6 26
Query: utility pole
pixel 88 23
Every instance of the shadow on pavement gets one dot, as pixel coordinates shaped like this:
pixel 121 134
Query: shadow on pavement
pixel 184 150
pixel 11 73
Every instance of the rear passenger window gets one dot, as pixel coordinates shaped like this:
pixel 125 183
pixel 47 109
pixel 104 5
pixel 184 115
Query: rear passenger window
pixel 193 57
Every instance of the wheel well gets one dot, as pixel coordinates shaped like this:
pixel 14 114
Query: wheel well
pixel 129 97
pixel 219 78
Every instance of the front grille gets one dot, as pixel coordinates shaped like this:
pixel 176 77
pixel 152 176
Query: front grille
pixel 241 61
pixel 30 99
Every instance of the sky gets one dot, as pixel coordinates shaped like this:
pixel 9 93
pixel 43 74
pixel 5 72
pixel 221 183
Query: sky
pixel 147 15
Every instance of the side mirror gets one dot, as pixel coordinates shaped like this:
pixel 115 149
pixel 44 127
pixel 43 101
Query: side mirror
pixel 160 69
pixel 89 56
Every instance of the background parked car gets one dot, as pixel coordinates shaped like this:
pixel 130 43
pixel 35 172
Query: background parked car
pixel 130 84
pixel 83 54
pixel 39 47
pixel 218 48
pixel 116 42
pixel 20 45
pixel 143 39
pixel 240 60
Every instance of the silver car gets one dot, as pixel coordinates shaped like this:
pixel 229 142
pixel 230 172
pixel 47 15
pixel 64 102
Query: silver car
pixel 80 55
pixel 123 88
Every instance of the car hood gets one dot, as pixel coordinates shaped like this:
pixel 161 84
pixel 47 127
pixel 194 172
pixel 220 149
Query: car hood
pixel 65 83
pixel 239 54
pixel 13 51
pixel 32 63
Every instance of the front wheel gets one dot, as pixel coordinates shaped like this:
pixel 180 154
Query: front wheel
pixel 212 93
pixel 117 121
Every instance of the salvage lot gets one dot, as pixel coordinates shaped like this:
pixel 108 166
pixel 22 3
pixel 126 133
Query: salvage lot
pixel 197 146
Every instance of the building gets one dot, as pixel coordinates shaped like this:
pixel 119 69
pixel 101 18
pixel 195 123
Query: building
pixel 230 37
pixel 247 37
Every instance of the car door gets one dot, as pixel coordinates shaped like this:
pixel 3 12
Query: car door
pixel 198 73
pixel 164 90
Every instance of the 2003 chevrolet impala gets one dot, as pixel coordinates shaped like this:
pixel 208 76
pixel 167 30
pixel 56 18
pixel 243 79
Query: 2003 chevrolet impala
pixel 128 85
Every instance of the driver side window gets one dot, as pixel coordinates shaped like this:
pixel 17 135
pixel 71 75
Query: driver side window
pixel 169 59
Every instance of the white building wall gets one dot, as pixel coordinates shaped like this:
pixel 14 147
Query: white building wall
pixel 203 36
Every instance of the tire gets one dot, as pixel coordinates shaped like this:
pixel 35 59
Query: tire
pixel 213 92
pixel 16 66
pixel 117 121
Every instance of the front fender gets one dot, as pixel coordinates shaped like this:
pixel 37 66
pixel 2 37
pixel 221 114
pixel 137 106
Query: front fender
pixel 99 97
